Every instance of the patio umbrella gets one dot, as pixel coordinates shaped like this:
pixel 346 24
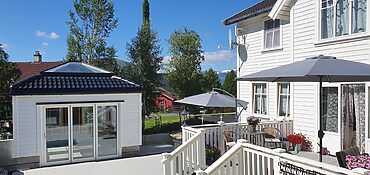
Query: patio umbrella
pixel 317 69
pixel 213 99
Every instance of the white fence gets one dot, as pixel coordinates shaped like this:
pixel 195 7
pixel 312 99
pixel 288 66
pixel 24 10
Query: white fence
pixel 214 132
pixel 190 156
pixel 248 159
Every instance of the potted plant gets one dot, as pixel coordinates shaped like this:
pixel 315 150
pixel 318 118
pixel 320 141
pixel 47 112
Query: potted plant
pixel 296 140
pixel 212 154
pixel 252 123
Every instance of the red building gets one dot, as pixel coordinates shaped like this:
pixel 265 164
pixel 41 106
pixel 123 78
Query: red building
pixel 164 100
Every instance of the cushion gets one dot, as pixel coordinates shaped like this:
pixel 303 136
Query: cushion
pixel 341 155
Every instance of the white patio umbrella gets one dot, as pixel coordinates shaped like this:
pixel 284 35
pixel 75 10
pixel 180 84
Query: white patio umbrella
pixel 213 99
pixel 317 69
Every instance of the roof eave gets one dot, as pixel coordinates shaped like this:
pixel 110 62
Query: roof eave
pixel 227 21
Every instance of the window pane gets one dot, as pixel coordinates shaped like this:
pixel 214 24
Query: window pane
pixel 107 130
pixel 257 107
pixel 359 10
pixel 277 23
pixel 276 42
pixel 83 132
pixel 283 105
pixel 264 104
pixel 57 134
pixel 269 24
pixel 330 109
pixel 284 88
pixel 327 22
pixel 342 18
pixel 263 88
pixel 258 88
pixel 268 39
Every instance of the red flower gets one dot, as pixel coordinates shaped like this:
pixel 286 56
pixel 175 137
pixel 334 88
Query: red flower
pixel 296 138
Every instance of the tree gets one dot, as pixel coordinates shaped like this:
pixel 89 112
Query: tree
pixel 90 24
pixel 210 80
pixel 183 70
pixel 230 83
pixel 144 53
pixel 8 75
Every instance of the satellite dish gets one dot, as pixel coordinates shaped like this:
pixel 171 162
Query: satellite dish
pixel 231 42
pixel 243 53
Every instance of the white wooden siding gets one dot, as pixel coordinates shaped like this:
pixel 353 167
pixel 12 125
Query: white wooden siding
pixel 27 128
pixel 305 43
pixel 258 60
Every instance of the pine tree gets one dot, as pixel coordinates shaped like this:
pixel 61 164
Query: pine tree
pixel 211 80
pixel 144 53
pixel 230 83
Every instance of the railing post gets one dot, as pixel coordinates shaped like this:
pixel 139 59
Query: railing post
pixel 202 154
pixel 166 164
pixel 221 137
pixel 241 157
pixel 200 172
pixel 283 130
pixel 277 159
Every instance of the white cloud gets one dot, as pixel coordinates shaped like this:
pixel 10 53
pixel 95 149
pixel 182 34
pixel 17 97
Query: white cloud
pixel 219 56
pixel 166 59
pixel 45 44
pixel 40 33
pixel 52 35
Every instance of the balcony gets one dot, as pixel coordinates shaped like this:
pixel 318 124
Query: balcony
pixel 246 157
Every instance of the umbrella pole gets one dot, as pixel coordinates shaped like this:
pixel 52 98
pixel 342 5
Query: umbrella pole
pixel 320 132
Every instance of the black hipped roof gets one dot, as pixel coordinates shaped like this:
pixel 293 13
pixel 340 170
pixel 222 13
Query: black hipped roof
pixel 56 81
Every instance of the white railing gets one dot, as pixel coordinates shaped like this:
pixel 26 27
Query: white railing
pixel 189 156
pixel 214 132
pixel 248 159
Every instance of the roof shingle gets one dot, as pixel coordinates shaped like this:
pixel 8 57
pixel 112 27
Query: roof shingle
pixel 54 84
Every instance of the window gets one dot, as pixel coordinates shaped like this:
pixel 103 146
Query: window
pixel 272 34
pixel 330 109
pixel 342 17
pixel 260 98
pixel 284 99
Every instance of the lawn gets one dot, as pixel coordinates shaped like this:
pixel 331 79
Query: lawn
pixel 150 123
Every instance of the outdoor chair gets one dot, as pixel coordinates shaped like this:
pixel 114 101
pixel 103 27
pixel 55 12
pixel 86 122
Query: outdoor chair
pixel 341 155
pixel 229 139
pixel 272 136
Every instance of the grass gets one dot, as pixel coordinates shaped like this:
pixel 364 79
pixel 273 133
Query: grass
pixel 150 123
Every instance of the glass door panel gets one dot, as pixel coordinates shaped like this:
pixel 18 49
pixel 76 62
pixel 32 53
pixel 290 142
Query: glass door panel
pixel 107 130
pixel 57 142
pixel 83 132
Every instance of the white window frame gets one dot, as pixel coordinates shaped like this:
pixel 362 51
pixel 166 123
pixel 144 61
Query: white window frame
pixel 350 34
pixel 280 28
pixel 254 85
pixel 279 98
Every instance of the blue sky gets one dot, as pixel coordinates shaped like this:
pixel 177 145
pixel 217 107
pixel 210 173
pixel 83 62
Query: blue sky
pixel 27 26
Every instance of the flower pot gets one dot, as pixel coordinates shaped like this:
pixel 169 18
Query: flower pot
pixel 297 148
pixel 285 145
pixel 251 128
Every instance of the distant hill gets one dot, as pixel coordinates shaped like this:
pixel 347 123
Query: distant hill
pixel 222 75
pixel 121 63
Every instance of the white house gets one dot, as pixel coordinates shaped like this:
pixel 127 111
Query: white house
pixel 277 32
pixel 75 112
